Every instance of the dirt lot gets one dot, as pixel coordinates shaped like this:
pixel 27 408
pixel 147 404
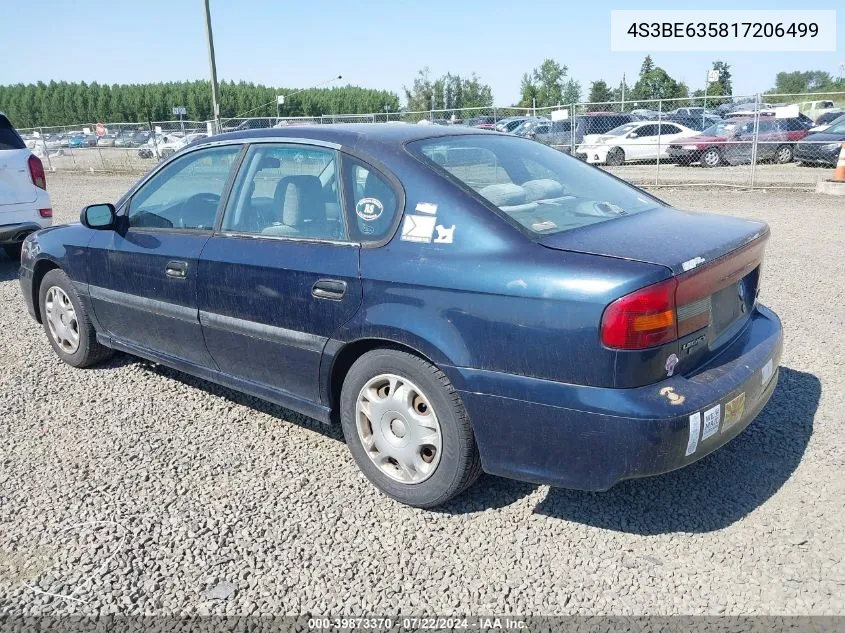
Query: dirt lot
pixel 132 488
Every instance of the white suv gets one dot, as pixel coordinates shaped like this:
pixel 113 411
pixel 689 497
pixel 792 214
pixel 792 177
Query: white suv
pixel 24 202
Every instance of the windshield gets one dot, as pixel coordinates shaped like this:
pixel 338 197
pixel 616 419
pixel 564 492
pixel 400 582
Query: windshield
pixel 837 127
pixel 538 187
pixel 722 128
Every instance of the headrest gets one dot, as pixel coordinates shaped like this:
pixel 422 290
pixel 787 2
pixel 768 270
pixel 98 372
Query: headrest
pixel 300 199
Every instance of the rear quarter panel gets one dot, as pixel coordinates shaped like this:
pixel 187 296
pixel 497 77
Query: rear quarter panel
pixel 492 299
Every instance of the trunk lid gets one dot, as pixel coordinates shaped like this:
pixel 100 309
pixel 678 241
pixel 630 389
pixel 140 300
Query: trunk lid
pixel 716 260
pixel 678 240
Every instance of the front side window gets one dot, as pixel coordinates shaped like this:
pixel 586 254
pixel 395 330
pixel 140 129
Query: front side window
pixel 287 191
pixel 186 193
pixel 536 186
pixel 373 201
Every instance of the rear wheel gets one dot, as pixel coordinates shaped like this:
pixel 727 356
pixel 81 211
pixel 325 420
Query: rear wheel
pixel 13 251
pixel 615 156
pixel 66 322
pixel 711 158
pixel 407 428
pixel 784 154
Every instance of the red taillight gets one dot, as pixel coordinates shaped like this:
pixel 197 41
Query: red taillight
pixel 36 172
pixel 45 213
pixel 644 318
pixel 679 306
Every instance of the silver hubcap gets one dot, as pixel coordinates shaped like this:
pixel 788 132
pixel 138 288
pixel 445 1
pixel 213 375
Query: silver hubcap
pixel 398 428
pixel 61 320
pixel 711 158
pixel 784 154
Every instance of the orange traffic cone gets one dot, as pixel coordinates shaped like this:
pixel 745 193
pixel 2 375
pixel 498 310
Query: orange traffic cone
pixel 839 172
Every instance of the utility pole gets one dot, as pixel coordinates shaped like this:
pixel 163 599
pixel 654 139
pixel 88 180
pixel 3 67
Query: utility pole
pixel 623 92
pixel 215 95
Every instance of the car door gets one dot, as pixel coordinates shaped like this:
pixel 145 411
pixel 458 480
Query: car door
pixel 642 146
pixel 668 132
pixel 281 274
pixel 143 277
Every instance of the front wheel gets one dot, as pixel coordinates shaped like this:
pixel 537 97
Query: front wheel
pixel 711 158
pixel 407 428
pixel 615 157
pixel 784 154
pixel 66 322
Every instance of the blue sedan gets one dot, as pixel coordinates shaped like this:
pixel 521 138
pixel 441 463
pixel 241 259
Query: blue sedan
pixel 458 300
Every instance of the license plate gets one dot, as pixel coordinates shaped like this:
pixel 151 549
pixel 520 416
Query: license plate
pixel 733 411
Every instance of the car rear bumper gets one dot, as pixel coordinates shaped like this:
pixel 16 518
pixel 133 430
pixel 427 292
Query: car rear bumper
pixel 15 233
pixel 590 438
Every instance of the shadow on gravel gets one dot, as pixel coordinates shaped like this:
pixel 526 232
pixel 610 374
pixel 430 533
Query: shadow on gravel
pixel 715 492
pixel 8 268
pixel 257 404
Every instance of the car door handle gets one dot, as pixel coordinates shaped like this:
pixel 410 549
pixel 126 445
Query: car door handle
pixel 176 270
pixel 333 289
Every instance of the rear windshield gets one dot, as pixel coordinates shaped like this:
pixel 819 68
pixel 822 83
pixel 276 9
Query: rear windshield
pixel 9 139
pixel 538 187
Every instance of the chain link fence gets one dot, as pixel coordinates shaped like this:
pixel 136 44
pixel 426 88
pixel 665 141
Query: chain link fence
pixel 772 140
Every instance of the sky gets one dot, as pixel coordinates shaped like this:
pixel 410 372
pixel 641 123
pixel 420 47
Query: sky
pixel 372 43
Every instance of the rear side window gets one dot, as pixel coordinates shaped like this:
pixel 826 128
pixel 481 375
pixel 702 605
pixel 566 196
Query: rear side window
pixel 373 202
pixel 287 191
pixel 9 138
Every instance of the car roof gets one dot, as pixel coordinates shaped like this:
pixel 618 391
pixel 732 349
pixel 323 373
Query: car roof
pixel 351 134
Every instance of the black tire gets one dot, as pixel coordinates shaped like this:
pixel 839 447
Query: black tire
pixel 459 462
pixel 89 352
pixel 615 157
pixel 711 157
pixel 13 251
pixel 784 154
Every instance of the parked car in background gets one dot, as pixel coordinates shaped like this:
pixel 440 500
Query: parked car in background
pixel 509 124
pixel 630 142
pixel 554 133
pixel 25 205
pixel 822 148
pixel 83 140
pixel 732 142
pixel 610 336
pixel 585 126
pixel 529 125
pixel 481 122
pixel 690 112
pixel 107 139
pixel 698 123
pixel 644 114
pixel 826 119
pixel 814 109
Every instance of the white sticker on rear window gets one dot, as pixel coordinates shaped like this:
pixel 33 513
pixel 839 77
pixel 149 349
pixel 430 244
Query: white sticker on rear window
pixel 711 422
pixel 694 432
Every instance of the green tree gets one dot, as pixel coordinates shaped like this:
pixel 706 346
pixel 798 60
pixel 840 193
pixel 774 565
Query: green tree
pixel 655 83
pixel 599 95
pixel 548 86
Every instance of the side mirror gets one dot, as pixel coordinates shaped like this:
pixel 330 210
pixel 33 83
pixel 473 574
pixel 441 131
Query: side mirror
pixel 633 135
pixel 99 216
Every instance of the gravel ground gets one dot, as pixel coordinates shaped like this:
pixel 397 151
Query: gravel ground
pixel 134 489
